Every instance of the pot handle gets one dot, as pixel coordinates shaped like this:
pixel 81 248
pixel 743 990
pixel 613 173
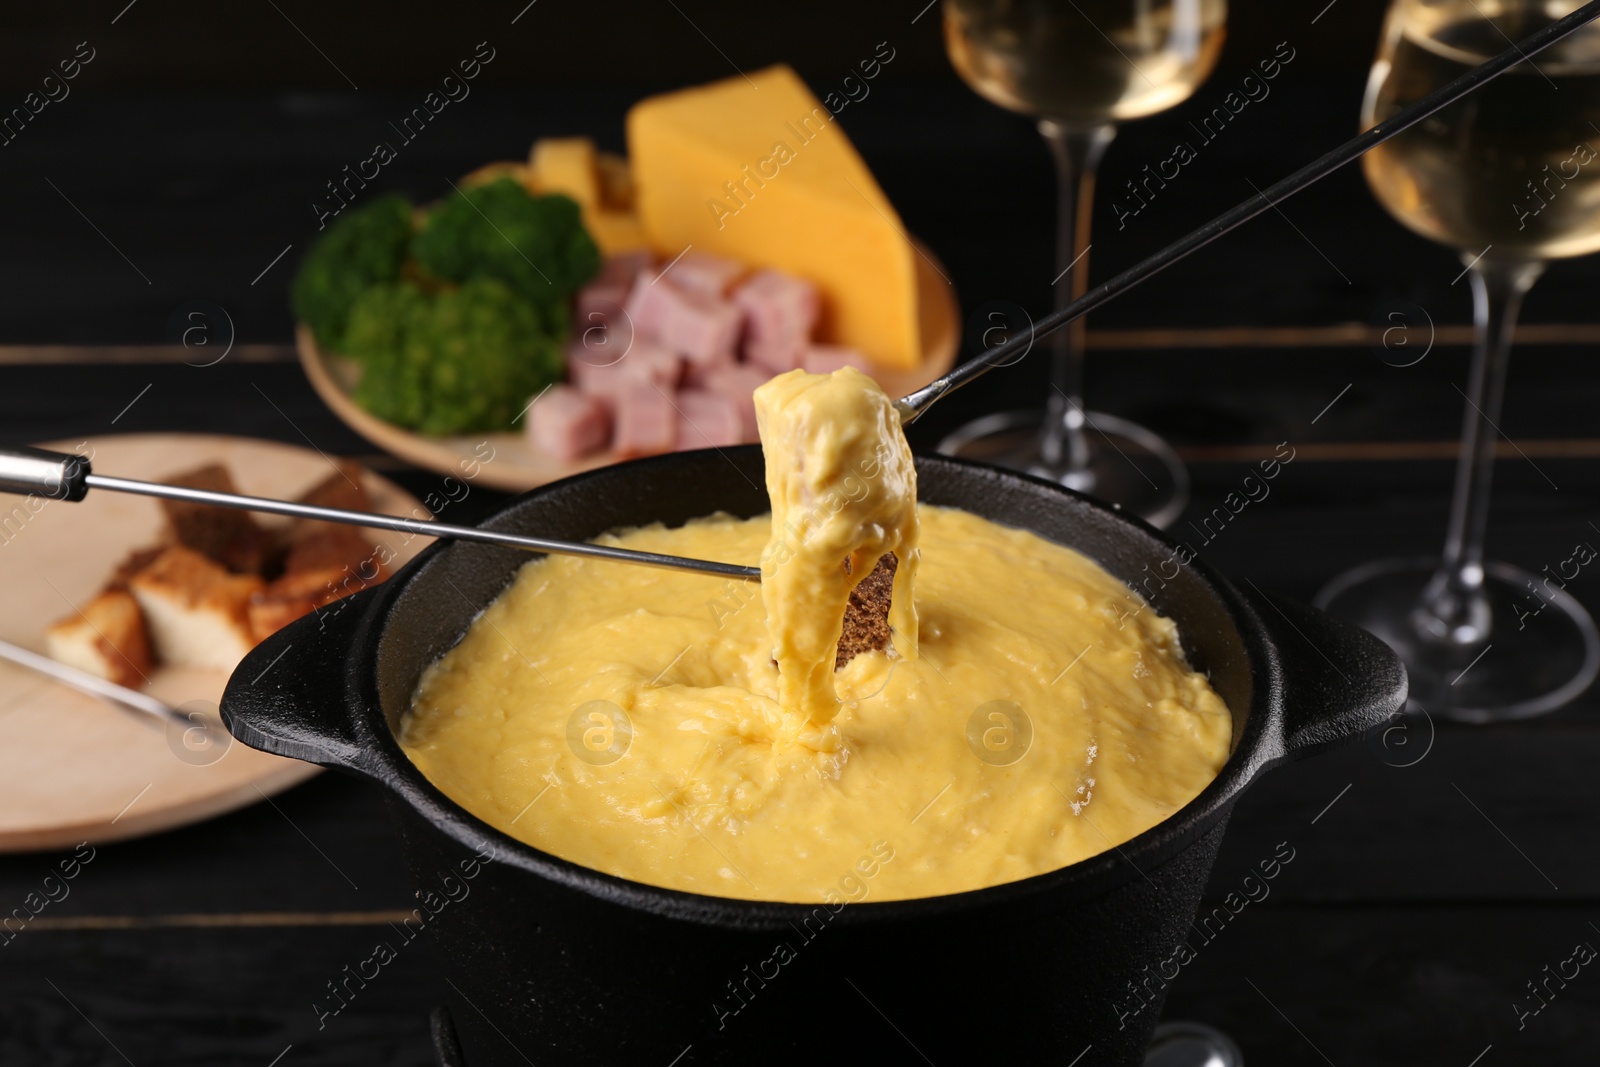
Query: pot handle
pixel 1334 680
pixel 288 695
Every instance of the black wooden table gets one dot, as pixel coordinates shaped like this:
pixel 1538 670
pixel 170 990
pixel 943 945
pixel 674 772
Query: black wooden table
pixel 1424 893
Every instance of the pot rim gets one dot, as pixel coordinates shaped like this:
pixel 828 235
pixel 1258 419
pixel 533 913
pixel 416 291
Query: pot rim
pixel 1254 750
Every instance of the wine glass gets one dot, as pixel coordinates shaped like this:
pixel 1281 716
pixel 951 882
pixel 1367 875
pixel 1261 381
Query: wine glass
pixel 1506 177
pixel 1080 66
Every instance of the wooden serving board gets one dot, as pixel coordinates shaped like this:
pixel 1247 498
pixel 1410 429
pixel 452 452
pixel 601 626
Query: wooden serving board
pixel 74 768
pixel 508 461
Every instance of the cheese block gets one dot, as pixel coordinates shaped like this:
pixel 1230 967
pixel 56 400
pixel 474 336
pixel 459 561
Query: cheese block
pixel 615 232
pixel 567 165
pixel 757 169
pixel 598 181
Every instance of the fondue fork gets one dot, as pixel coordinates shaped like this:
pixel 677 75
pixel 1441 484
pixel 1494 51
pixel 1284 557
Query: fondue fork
pixel 93 685
pixel 61 476
pixel 913 404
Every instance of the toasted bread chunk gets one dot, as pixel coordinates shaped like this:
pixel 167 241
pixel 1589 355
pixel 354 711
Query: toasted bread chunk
pixel 106 637
pixel 297 594
pixel 225 535
pixel 341 489
pixel 866 619
pixel 274 609
pixel 326 563
pixel 132 564
pixel 195 610
pixel 329 546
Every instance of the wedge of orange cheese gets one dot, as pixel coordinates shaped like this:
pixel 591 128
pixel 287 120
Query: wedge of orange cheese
pixel 757 169
pixel 598 181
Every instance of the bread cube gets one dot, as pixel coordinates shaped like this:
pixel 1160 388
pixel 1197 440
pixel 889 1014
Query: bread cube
pixel 106 638
pixel 195 611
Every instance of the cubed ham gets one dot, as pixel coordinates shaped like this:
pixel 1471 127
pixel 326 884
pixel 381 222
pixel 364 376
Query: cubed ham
pixel 707 420
pixel 600 302
pixel 581 358
pixel 697 375
pixel 738 383
pixel 703 329
pixel 598 343
pixel 654 363
pixel 702 272
pixel 781 313
pixel 645 421
pixel 567 423
pixel 600 372
pixel 649 305
pixel 622 269
pixel 825 359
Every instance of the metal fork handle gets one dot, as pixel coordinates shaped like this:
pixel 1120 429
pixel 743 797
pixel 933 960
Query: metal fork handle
pixel 35 472
pixel 66 477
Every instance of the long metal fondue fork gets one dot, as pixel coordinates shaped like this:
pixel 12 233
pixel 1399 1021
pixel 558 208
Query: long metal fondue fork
pixel 60 476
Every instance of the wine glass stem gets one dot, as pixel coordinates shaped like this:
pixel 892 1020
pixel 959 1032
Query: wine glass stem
pixel 1454 609
pixel 1063 444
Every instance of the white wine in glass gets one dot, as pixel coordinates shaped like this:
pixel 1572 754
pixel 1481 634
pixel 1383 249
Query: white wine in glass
pixel 1080 66
pixel 1086 62
pixel 1514 165
pixel 1510 178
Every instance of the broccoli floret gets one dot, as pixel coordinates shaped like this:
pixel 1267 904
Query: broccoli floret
pixel 491 353
pixel 460 361
pixel 394 385
pixel 364 245
pixel 535 244
pixel 440 357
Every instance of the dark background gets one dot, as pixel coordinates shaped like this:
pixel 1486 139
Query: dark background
pixel 193 46
pixel 198 137
pixel 186 158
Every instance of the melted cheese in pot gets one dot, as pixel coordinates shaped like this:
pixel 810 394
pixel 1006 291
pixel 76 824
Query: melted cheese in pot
pixel 1031 712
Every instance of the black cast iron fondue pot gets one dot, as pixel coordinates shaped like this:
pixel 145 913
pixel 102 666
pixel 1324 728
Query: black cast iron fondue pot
pixel 552 963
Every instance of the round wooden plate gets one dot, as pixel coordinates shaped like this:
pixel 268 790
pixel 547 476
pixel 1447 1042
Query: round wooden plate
pixel 517 466
pixel 74 768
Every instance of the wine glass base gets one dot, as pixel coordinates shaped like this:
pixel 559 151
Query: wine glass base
pixel 1541 652
pixel 1128 465
pixel 1180 1043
